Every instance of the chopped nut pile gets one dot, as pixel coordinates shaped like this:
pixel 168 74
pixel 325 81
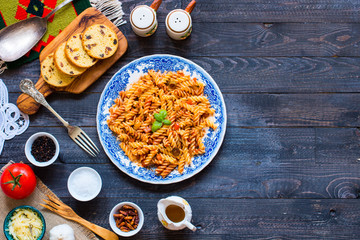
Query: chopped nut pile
pixel 127 219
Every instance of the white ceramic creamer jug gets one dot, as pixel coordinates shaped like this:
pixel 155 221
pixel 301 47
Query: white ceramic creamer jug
pixel 175 213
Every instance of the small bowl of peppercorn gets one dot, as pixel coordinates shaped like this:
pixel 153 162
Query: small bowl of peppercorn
pixel 42 149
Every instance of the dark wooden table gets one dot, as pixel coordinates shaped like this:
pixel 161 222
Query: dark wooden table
pixel 289 165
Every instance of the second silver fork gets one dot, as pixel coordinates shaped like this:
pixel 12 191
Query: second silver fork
pixel 75 133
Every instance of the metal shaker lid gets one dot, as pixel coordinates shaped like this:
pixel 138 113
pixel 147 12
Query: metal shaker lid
pixel 142 17
pixel 178 21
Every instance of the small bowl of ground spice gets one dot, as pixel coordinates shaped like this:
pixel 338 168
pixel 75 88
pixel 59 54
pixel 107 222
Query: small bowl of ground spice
pixel 42 149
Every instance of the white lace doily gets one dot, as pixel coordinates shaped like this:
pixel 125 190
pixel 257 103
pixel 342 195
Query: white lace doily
pixel 12 121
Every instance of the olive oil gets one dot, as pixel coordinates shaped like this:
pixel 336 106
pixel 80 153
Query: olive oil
pixel 175 213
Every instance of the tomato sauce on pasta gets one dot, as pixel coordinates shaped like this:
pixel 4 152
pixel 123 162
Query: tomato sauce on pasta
pixel 171 146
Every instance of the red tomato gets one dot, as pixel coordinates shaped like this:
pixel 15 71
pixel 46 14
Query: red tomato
pixel 176 126
pixel 18 181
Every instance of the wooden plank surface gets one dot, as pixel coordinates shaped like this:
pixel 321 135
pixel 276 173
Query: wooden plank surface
pixel 289 165
pixel 276 11
pixel 249 74
pixel 260 10
pixel 255 39
pixel 259 179
pixel 250 218
pixel 243 110
pixel 271 163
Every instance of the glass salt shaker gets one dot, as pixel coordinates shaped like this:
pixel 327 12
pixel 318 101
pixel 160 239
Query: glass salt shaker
pixel 178 22
pixel 143 19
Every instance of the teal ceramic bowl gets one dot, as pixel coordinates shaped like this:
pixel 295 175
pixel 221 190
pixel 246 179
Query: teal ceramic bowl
pixel 10 214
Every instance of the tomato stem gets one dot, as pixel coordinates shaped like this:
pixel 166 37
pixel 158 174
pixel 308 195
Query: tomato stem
pixel 15 180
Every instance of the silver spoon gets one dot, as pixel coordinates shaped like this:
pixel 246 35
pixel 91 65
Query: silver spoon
pixel 17 39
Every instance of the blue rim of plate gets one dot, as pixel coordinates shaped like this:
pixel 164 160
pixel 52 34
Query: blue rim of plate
pixel 11 213
pixel 119 81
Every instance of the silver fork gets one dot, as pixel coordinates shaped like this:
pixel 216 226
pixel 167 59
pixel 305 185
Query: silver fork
pixel 75 133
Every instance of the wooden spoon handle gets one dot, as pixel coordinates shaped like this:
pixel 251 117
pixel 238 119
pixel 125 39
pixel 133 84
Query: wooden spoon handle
pixel 102 232
pixel 190 7
pixel 156 4
pixel 27 104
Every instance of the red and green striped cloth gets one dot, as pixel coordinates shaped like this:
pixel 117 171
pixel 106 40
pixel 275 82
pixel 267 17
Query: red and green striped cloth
pixel 12 11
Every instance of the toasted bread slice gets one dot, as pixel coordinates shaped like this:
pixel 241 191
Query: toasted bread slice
pixel 99 41
pixel 63 64
pixel 76 54
pixel 52 75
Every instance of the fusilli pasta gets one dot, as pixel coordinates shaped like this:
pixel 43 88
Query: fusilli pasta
pixel 172 146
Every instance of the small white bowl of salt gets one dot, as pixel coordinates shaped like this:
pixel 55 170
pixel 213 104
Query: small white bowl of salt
pixel 84 184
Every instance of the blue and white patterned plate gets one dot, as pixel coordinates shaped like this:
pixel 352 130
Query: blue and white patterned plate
pixel 130 73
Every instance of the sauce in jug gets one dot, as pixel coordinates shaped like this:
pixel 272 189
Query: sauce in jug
pixel 175 213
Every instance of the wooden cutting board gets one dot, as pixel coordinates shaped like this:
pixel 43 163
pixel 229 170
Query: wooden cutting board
pixel 87 18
